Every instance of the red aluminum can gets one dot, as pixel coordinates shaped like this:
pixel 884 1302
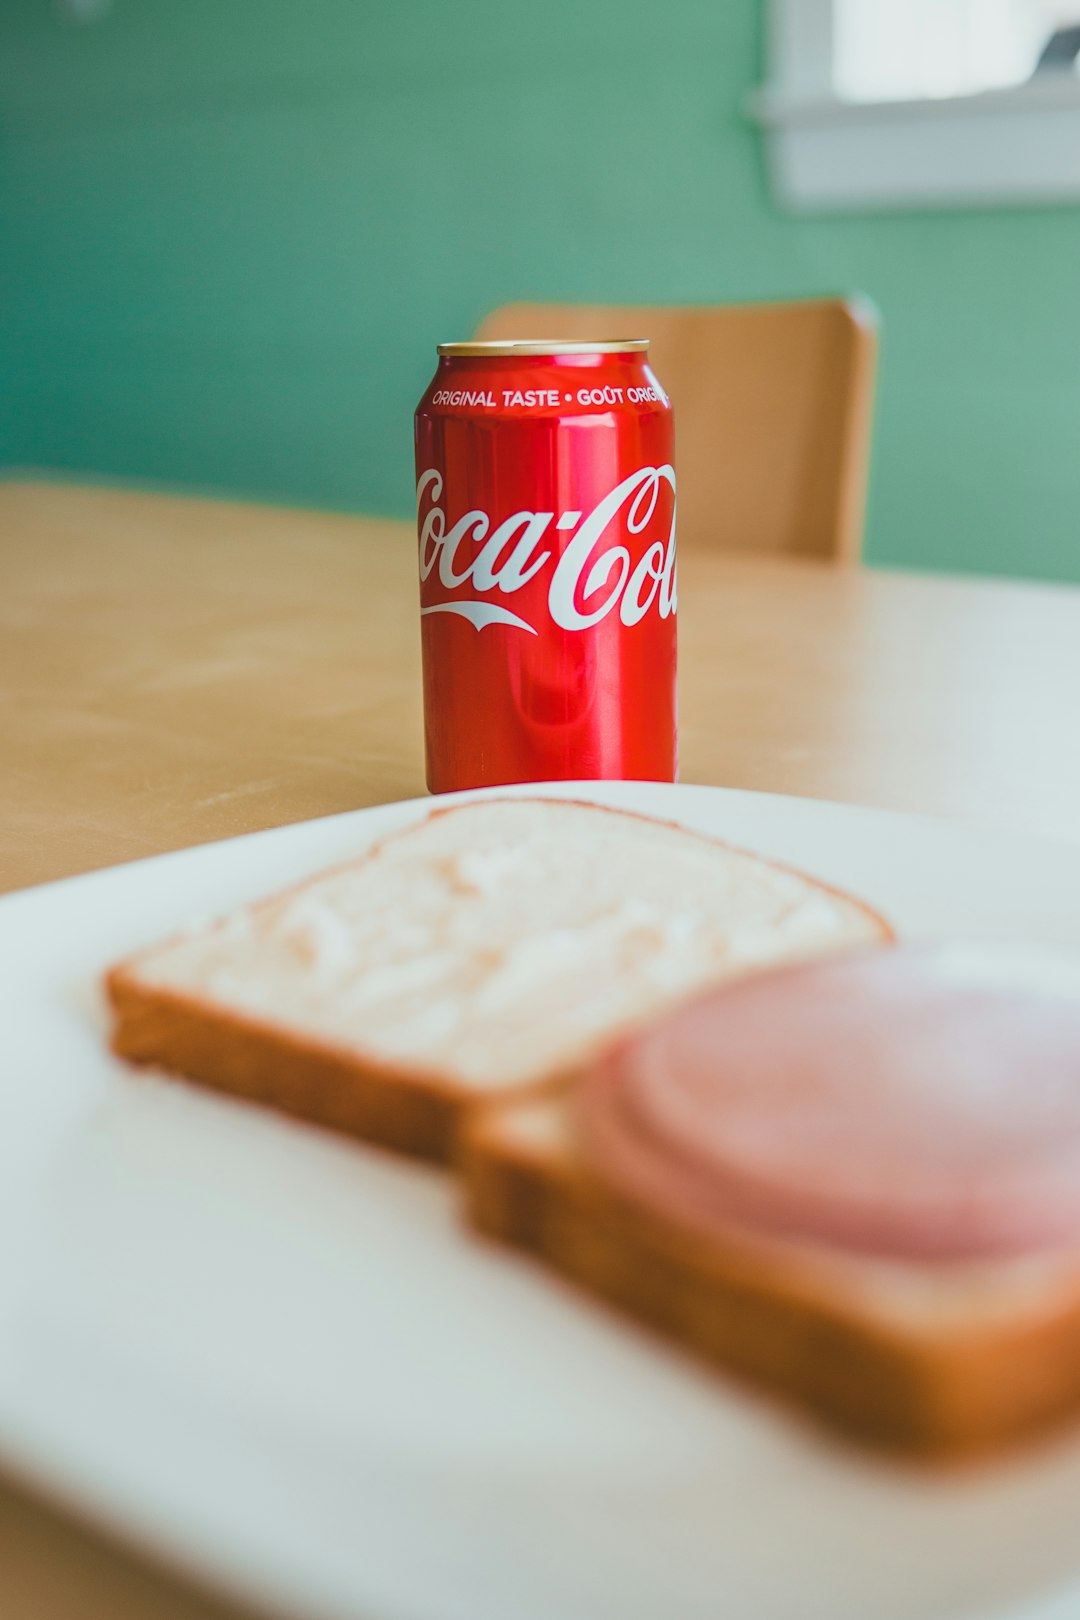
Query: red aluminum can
pixel 545 490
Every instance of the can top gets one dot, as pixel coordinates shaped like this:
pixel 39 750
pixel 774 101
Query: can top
pixel 546 346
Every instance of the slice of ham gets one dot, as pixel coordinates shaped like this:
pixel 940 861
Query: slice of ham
pixel 921 1102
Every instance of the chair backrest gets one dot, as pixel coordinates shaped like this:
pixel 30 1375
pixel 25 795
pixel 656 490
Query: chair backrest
pixel 773 407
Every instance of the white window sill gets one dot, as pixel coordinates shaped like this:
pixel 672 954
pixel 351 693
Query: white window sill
pixel 1020 145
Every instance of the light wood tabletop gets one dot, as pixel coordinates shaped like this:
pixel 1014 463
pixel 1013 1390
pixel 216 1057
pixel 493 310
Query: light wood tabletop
pixel 176 670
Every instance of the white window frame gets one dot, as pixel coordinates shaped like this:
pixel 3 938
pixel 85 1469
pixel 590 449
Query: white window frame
pixel 1016 145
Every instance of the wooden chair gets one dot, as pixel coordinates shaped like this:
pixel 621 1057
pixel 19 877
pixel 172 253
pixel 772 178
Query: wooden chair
pixel 773 406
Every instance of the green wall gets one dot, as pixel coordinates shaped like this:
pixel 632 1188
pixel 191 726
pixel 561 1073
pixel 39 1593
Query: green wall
pixel 235 229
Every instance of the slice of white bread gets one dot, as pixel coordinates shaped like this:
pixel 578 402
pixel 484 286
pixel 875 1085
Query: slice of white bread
pixel 941 1357
pixel 488 948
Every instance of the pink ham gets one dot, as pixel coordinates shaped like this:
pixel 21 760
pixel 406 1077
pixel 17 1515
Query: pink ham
pixel 918 1102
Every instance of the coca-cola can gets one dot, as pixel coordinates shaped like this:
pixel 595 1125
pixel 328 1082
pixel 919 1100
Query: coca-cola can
pixel 545 491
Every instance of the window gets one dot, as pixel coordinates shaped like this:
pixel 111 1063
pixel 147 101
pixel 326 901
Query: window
pixel 889 51
pixel 878 103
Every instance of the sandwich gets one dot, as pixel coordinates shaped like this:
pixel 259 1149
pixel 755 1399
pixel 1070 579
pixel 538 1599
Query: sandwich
pixel 854 1182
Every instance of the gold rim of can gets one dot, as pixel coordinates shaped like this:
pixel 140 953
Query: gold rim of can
pixel 542 346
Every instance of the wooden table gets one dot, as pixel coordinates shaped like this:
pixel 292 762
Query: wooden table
pixel 173 671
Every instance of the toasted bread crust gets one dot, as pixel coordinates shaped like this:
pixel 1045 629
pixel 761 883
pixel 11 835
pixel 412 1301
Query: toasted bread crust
pixel 795 1325
pixel 408 1112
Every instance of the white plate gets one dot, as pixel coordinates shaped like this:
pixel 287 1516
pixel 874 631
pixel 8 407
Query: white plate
pixel 278 1360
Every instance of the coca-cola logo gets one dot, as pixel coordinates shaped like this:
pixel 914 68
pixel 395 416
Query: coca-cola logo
pixel 589 579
